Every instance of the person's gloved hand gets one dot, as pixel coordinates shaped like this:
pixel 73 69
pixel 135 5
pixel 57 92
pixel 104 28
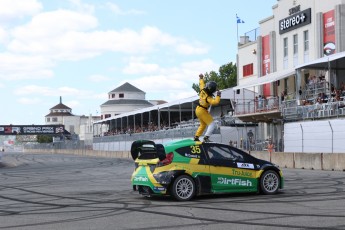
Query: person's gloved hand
pixel 201 76
pixel 219 93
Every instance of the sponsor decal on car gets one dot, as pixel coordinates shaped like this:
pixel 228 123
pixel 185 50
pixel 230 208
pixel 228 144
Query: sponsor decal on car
pixel 192 155
pixel 140 178
pixel 245 165
pixel 241 173
pixel 159 188
pixel 233 181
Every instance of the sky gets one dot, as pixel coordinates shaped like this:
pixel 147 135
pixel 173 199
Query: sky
pixel 83 49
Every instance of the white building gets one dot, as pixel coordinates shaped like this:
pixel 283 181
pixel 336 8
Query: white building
pixel 74 124
pixel 125 98
pixel 302 39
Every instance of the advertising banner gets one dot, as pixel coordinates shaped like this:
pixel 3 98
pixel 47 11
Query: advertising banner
pixel 266 62
pixel 31 129
pixel 328 33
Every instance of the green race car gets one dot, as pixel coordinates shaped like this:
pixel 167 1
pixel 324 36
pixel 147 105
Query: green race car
pixel 188 168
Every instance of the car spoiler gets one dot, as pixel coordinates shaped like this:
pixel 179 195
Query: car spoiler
pixel 146 149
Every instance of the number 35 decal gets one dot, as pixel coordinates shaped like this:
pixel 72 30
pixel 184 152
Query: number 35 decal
pixel 195 149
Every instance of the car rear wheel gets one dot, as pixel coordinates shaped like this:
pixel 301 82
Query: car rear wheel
pixel 269 182
pixel 183 188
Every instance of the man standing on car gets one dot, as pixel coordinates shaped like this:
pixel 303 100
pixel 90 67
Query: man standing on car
pixel 201 111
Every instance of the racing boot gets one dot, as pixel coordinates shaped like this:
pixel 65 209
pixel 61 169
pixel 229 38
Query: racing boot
pixel 206 139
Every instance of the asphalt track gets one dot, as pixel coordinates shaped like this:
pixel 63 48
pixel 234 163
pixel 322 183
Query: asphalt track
pixel 72 192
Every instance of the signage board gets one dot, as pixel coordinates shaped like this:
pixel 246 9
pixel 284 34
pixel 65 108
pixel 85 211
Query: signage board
pixel 295 21
pixel 31 129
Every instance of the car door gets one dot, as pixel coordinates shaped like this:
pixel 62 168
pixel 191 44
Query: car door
pixel 195 163
pixel 229 170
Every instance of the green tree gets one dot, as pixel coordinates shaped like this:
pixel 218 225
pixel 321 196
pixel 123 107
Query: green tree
pixel 226 78
pixel 44 139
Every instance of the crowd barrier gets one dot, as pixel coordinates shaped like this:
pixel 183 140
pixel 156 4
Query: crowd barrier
pixel 314 161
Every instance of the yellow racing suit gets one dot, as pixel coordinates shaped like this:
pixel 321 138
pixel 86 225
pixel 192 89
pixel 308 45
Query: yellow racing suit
pixel 201 110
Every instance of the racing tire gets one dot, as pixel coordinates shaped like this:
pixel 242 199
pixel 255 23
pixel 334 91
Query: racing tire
pixel 183 188
pixel 269 182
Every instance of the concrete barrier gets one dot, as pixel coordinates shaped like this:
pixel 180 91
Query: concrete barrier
pixel 261 155
pixel 83 152
pixel 317 161
pixel 308 160
pixel 284 160
pixel 334 161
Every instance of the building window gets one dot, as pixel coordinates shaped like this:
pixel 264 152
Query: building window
pixel 285 53
pixel 248 70
pixel 121 95
pixel 306 45
pixel 113 95
pixel 295 49
pixel 295 44
pixel 54 119
pixel 285 47
pixel 306 40
pixel 106 116
pixel 48 119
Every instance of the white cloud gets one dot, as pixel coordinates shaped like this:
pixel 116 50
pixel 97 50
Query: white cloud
pixel 140 68
pixel 62 35
pixel 182 72
pixel 18 67
pixel 72 104
pixel 175 83
pixel 117 10
pixel 181 95
pixel 98 78
pixel 29 101
pixel 48 25
pixel 3 35
pixel 82 7
pixel 188 49
pixel 65 35
pixel 18 8
pixel 49 91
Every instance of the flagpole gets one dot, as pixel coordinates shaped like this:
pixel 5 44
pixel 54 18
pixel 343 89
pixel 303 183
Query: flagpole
pixel 237 33
pixel 237 28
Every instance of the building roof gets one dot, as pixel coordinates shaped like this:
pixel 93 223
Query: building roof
pixel 60 106
pixel 126 88
pixel 127 102
pixel 157 102
pixel 56 114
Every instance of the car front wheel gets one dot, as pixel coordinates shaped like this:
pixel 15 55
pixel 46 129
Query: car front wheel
pixel 269 182
pixel 183 188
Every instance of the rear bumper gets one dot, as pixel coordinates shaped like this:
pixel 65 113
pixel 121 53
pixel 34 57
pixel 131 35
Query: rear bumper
pixel 147 185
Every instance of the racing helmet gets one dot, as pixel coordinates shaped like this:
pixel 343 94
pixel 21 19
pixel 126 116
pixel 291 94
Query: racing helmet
pixel 211 87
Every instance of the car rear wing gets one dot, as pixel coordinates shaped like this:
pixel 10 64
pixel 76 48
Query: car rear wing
pixel 146 150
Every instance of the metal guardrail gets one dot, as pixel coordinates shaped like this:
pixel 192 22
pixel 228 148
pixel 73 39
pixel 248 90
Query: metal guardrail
pixel 253 34
pixel 248 106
